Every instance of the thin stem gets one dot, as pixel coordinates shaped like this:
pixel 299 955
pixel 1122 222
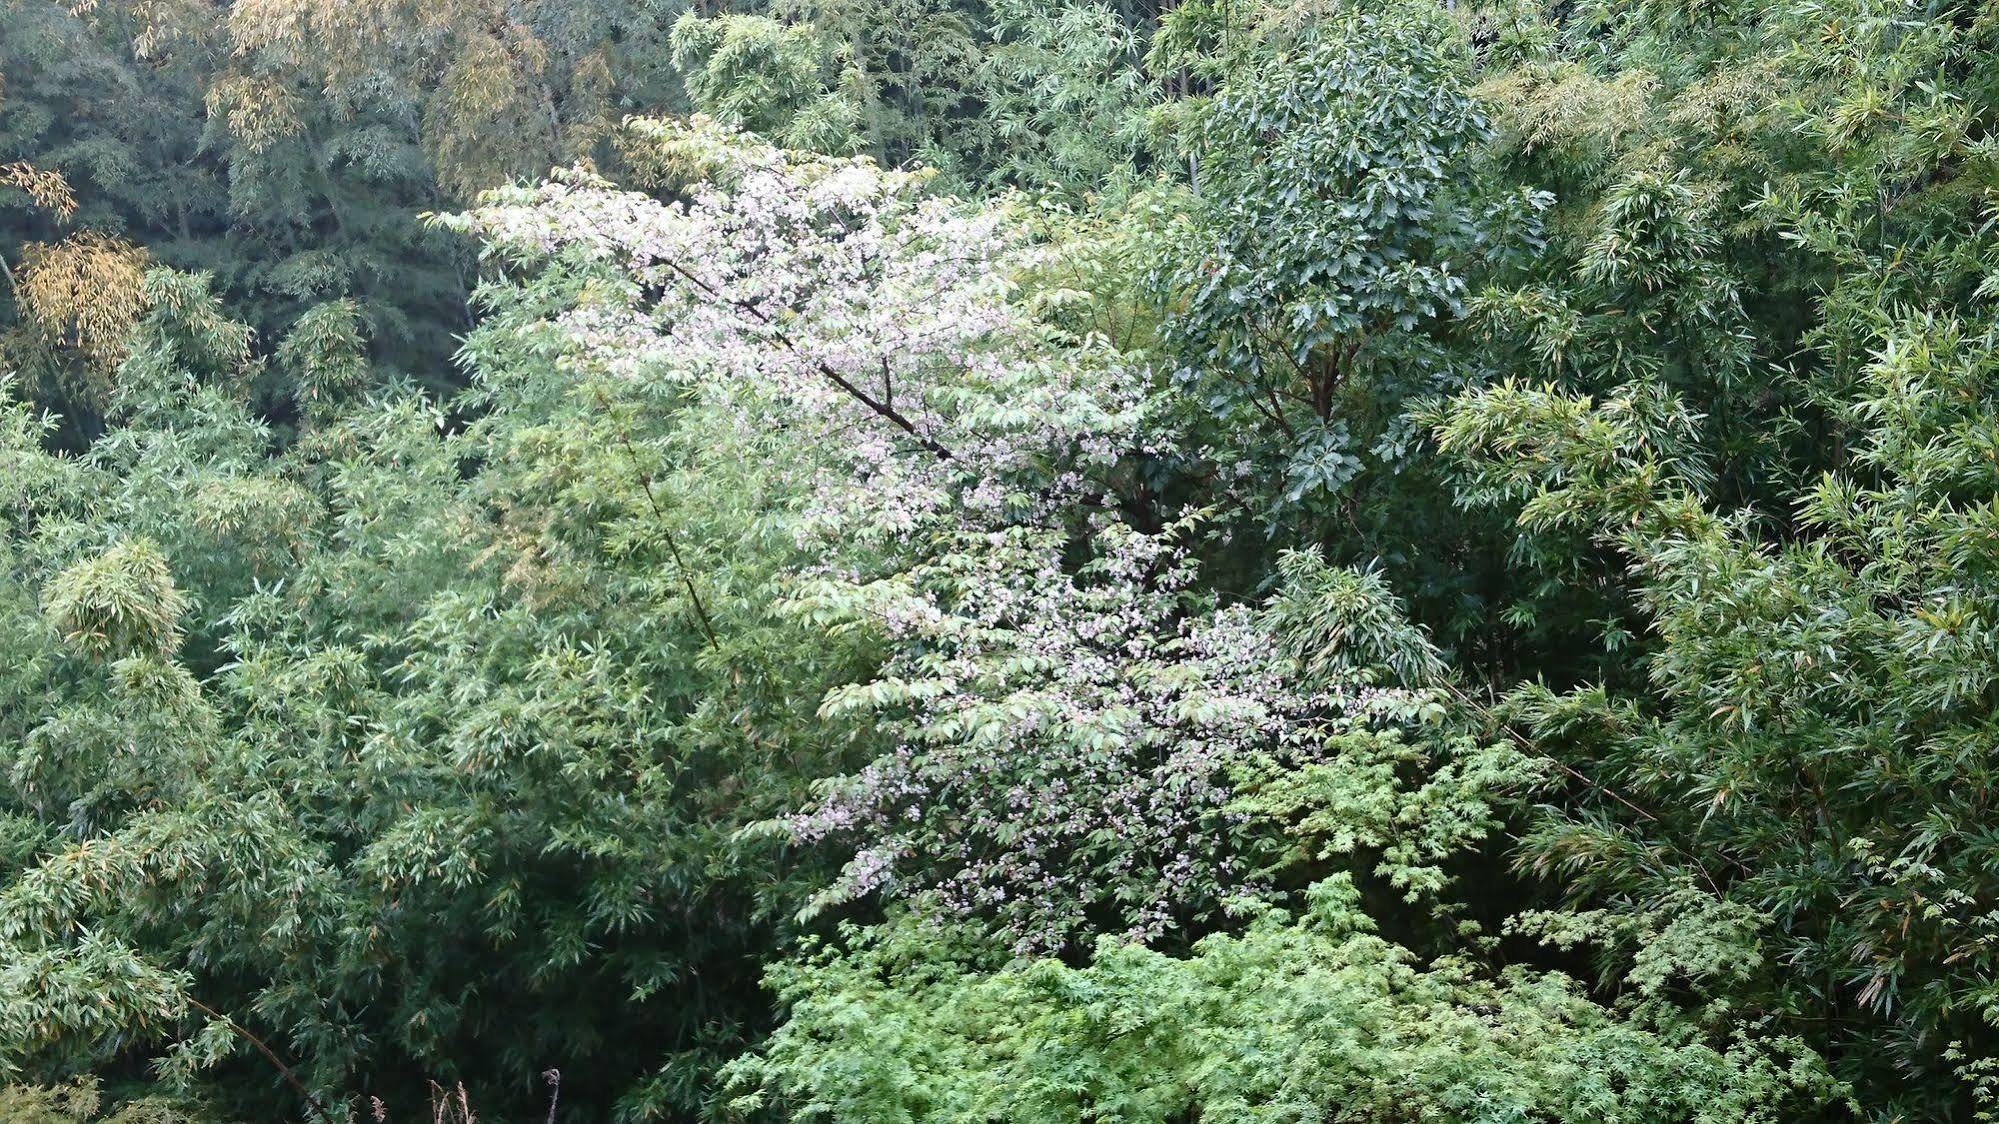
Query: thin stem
pixel 1529 744
pixel 269 1054
pixel 659 520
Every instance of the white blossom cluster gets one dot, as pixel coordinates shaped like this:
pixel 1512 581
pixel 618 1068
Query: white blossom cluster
pixel 870 319
pixel 1068 739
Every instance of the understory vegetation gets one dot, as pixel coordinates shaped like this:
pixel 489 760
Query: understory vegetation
pixel 1026 561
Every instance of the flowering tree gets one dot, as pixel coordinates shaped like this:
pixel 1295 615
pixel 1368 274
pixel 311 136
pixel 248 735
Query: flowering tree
pixel 867 318
pixel 1074 726
pixel 1099 748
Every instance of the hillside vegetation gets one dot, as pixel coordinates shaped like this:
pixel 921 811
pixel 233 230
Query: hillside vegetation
pixel 999 561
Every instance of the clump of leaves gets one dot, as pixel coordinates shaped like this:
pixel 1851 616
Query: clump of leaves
pixel 1304 1016
pixel 83 1102
pixel 122 602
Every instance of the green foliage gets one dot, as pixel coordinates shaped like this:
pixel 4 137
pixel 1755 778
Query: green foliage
pixel 356 699
pixel 326 352
pixel 1334 217
pixel 1763 310
pixel 1348 621
pixel 1301 1017
pixel 122 602
pixel 756 73
pixel 1802 781
pixel 1065 100
pixel 82 1103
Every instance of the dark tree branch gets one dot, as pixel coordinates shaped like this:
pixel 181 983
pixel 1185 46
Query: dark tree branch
pixel 881 408
pixel 269 1055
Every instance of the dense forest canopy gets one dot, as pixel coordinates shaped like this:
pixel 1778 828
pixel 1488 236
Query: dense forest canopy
pixel 1030 561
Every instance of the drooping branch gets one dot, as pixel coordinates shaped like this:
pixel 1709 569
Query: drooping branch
pixel 270 1055
pixel 1534 747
